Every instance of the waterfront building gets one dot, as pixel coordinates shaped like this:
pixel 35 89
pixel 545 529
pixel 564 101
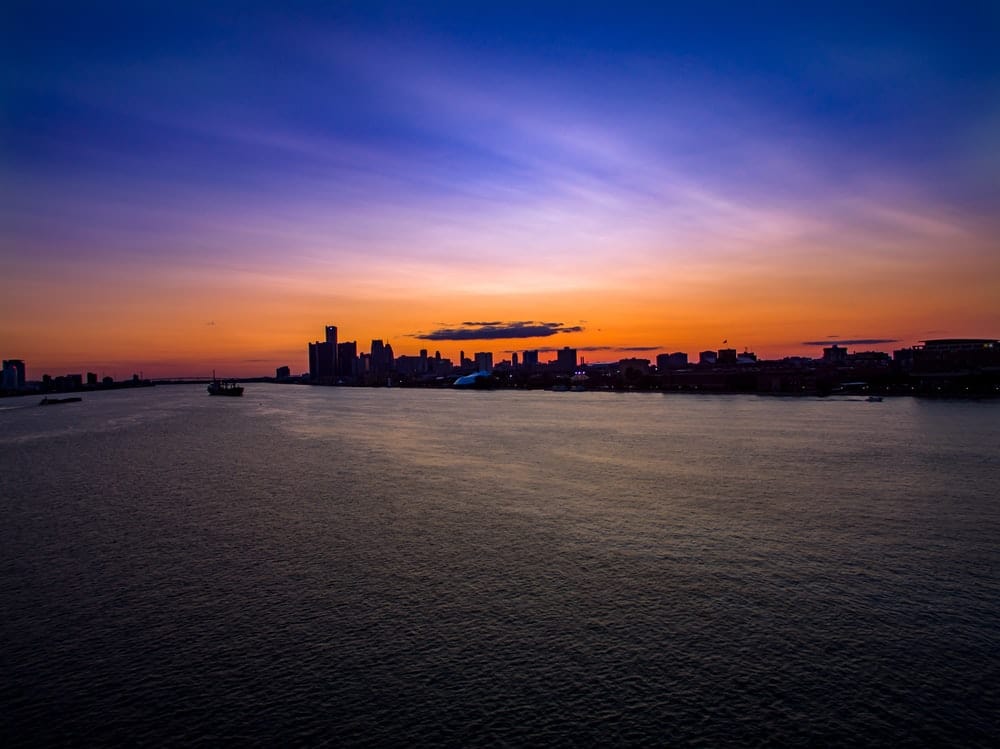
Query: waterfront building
pixel 347 360
pixel 956 355
pixel 530 361
pixel 707 357
pixel 726 357
pixel 377 357
pixel 565 360
pixel 960 344
pixel 676 360
pixel 13 374
pixel 321 361
pixel 409 366
pixel 282 373
pixel 381 362
pixel 869 360
pixel 415 366
pixel 440 367
pixel 902 359
pixel 835 355
pixel 632 368
pixel 323 357
pixel 331 338
pixel 484 361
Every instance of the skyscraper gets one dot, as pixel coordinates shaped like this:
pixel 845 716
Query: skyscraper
pixel 484 361
pixel 13 374
pixel 378 357
pixel 331 338
pixel 347 355
pixel 323 357
pixel 566 359
pixel 321 361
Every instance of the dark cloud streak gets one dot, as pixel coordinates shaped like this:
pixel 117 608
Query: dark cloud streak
pixel 851 341
pixel 486 331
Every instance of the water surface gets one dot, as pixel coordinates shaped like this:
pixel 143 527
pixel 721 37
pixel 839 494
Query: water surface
pixel 369 567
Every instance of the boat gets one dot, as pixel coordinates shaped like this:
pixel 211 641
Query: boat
pixel 224 387
pixel 874 399
pixel 46 401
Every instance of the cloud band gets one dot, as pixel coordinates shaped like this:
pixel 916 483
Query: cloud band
pixel 477 331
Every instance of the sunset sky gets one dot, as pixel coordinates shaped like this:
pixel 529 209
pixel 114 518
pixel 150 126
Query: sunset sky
pixel 187 189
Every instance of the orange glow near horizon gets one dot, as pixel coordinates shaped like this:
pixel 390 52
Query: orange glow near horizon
pixel 249 324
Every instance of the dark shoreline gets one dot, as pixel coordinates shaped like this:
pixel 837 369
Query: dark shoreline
pixel 976 388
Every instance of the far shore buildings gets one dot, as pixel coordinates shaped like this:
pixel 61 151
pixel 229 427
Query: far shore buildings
pixel 962 367
pixel 926 367
pixel 13 381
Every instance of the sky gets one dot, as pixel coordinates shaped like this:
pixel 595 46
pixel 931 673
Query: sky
pixel 195 186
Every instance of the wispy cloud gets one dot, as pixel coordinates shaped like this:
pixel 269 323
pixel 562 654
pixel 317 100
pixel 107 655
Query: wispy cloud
pixel 484 331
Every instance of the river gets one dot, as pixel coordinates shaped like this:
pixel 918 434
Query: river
pixel 357 567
